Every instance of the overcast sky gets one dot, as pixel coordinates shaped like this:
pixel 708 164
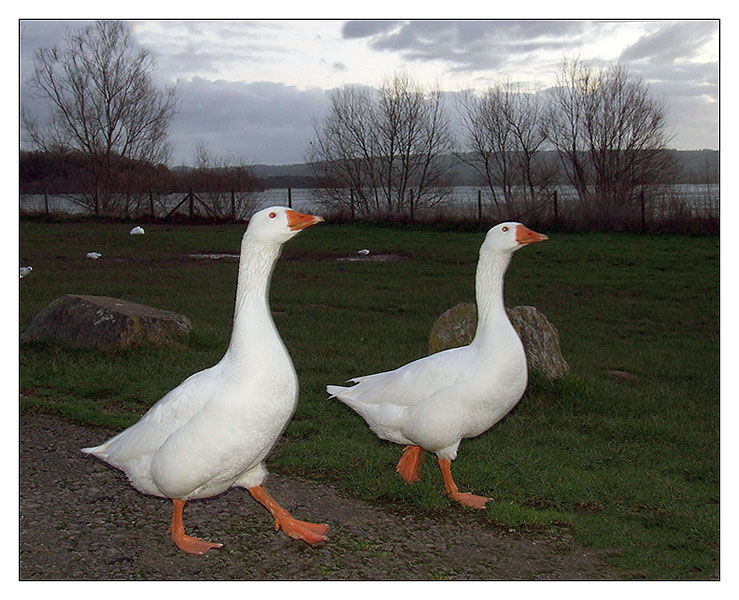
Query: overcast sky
pixel 251 90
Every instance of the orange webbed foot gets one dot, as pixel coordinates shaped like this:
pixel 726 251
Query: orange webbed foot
pixel 409 465
pixel 184 542
pixel 194 545
pixel 311 533
pixel 470 500
pixel 453 492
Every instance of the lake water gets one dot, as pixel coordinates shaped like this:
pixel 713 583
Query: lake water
pixel 701 199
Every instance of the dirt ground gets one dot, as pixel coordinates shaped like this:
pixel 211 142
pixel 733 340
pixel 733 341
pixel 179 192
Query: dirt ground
pixel 81 520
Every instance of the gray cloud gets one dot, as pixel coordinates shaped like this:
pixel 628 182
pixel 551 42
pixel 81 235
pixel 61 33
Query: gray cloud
pixel 184 48
pixel 470 45
pixel 672 42
pixel 361 29
pixel 260 122
pixel 690 90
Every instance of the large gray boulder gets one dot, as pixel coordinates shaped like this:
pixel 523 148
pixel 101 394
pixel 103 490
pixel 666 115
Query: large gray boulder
pixel 454 328
pixel 457 326
pixel 102 322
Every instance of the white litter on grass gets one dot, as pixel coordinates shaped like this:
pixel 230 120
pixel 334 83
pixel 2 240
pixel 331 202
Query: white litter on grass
pixel 26 271
pixel 373 258
pixel 214 256
pixel 363 252
pixel 94 255
pixel 137 231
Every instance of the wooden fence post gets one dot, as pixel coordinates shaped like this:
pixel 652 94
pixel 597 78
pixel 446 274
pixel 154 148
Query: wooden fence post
pixel 46 202
pixel 289 197
pixel 556 208
pixel 151 204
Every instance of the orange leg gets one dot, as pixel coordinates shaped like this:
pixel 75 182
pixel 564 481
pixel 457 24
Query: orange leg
pixel 184 542
pixel 451 488
pixel 298 530
pixel 409 465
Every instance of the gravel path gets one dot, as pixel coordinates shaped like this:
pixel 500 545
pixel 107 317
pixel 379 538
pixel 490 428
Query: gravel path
pixel 80 520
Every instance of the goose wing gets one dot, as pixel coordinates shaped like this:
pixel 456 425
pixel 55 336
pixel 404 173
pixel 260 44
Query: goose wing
pixel 170 413
pixel 407 385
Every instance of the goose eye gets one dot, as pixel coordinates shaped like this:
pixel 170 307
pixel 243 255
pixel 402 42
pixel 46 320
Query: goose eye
pixel 272 215
pixel 505 228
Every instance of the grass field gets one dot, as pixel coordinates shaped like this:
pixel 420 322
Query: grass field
pixel 629 465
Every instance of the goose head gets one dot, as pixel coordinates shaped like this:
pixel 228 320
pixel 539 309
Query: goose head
pixel 506 238
pixel 277 224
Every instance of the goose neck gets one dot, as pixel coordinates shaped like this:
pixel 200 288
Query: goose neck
pixel 489 279
pixel 251 313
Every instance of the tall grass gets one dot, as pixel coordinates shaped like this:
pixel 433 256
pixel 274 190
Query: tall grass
pixel 629 465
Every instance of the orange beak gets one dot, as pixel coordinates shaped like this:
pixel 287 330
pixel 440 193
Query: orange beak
pixel 524 235
pixel 297 221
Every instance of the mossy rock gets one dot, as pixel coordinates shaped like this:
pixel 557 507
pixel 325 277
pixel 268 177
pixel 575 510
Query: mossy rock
pixel 457 326
pixel 103 322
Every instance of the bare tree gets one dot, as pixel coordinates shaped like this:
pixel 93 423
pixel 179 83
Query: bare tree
pixel 103 104
pixel 611 136
pixel 385 147
pixel 343 151
pixel 415 136
pixel 504 142
pixel 536 172
pixel 226 187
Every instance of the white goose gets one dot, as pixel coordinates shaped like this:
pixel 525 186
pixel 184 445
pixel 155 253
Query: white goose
pixel 215 429
pixel 436 401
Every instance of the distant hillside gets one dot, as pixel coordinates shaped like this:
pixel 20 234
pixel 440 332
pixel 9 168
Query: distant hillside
pixel 699 166
pixel 696 166
pixel 285 176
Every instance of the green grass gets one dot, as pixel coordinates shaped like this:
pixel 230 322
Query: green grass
pixel 630 466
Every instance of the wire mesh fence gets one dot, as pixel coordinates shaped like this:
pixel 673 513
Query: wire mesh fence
pixel 680 207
